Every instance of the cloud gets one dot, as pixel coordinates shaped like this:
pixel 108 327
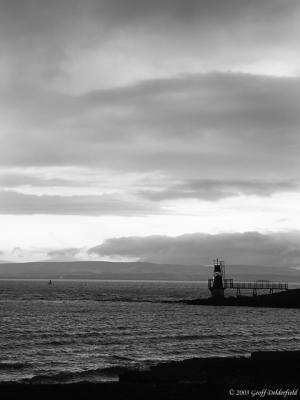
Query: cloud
pixel 219 189
pixel 12 202
pixel 147 98
pixel 250 248
pixel 14 179
pixel 76 181
pixel 201 126
pixel 69 254
pixel 45 41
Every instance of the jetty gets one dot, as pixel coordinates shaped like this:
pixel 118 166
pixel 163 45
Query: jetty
pixel 254 286
pixel 265 293
pixel 219 283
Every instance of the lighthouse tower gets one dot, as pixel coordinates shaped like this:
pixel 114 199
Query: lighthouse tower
pixel 217 287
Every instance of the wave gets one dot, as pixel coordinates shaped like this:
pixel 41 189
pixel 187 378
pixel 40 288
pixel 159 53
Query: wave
pixel 133 300
pixel 91 375
pixel 10 365
pixel 105 299
pixel 192 337
pixel 124 358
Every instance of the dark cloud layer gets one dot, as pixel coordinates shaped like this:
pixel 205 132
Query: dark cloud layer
pixel 203 126
pixel 251 248
pixel 176 124
pixel 10 179
pixel 140 203
pixel 219 189
pixel 63 254
pixel 36 21
pixel 12 202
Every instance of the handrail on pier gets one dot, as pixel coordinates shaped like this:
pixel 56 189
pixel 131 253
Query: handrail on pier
pixel 230 284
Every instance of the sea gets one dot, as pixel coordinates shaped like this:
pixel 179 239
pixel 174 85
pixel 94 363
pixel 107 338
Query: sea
pixel 91 331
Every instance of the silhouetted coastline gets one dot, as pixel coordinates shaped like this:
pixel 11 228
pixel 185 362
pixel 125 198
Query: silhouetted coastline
pixel 285 299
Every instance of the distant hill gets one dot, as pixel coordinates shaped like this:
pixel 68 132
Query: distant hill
pixel 139 271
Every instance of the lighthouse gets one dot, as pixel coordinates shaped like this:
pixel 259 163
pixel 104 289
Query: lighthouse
pixel 217 286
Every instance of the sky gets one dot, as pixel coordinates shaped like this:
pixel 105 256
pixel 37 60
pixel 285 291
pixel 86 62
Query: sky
pixel 164 131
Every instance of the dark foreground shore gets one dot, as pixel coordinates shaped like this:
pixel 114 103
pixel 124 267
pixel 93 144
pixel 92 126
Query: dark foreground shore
pixel 286 299
pixel 263 375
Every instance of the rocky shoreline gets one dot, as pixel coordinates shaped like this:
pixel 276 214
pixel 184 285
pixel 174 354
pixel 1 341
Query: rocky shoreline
pixel 215 377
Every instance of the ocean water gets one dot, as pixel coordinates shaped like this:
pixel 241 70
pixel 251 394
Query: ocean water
pixel 77 331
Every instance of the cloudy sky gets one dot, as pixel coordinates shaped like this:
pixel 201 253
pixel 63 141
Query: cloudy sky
pixel 130 129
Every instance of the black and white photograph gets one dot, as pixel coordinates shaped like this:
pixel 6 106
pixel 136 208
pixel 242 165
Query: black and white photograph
pixel 150 199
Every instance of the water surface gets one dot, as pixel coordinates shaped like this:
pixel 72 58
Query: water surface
pixel 91 330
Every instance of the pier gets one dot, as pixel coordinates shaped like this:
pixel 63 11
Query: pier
pixel 219 283
pixel 254 286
